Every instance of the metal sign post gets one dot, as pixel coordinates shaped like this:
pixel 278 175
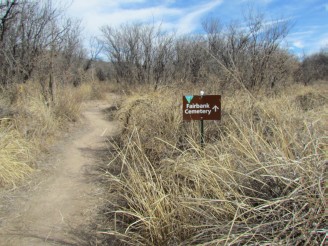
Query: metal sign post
pixel 202 141
pixel 203 107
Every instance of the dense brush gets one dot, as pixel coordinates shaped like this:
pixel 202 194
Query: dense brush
pixel 259 180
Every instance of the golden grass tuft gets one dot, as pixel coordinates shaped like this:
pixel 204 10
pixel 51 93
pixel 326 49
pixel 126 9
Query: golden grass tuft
pixel 259 180
pixel 94 90
pixel 14 157
pixel 67 106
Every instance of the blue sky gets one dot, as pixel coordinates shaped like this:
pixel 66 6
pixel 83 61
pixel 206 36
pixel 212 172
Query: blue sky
pixel 309 18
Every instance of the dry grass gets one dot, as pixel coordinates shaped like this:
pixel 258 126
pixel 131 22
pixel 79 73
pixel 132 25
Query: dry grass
pixel 14 151
pixel 28 124
pixel 94 90
pixel 259 180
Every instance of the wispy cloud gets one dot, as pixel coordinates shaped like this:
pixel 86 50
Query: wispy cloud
pixel 188 22
pixel 323 41
pixel 309 31
pixel 309 41
pixel 298 44
pixel 98 13
pixel 296 40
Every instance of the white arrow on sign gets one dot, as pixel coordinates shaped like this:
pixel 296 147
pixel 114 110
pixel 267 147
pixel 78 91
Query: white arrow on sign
pixel 215 108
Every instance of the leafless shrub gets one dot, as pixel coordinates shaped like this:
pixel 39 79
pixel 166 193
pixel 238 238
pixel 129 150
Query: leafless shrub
pixel 250 55
pixel 191 61
pixel 139 53
pixel 314 68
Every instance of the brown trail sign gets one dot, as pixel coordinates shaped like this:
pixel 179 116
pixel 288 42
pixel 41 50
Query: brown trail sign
pixel 202 107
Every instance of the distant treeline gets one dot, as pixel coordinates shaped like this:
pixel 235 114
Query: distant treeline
pixel 37 41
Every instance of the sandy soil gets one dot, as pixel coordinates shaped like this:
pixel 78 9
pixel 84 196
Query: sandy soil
pixel 64 201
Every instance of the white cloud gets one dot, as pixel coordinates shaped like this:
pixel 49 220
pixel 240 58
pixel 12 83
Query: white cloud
pixel 309 41
pixel 132 15
pixel 299 40
pixel 323 41
pixel 79 7
pixel 189 22
pixel 97 13
pixel 298 44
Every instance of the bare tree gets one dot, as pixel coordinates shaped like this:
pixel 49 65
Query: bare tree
pixel 116 51
pixel 248 54
pixel 191 58
pixel 139 53
pixel 36 40
pixel 314 67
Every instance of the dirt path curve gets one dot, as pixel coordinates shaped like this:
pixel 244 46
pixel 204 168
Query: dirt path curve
pixel 66 199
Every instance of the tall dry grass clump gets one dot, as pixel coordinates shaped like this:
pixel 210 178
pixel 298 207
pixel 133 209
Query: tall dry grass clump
pixel 259 180
pixel 14 156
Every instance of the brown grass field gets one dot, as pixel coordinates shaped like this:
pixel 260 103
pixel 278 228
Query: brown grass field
pixel 260 179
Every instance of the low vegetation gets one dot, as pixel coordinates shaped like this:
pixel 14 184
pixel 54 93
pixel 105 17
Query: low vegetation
pixel 28 124
pixel 259 179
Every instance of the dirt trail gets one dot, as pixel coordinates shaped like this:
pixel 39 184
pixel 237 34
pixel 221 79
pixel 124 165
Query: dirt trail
pixel 66 199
